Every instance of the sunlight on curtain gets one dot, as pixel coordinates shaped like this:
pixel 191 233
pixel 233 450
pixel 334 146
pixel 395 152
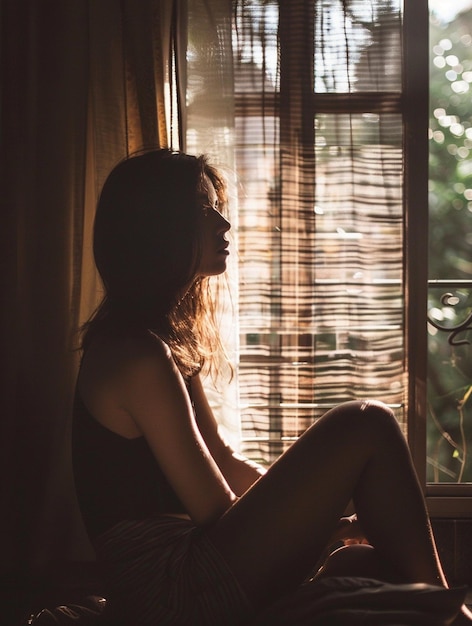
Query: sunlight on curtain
pixel 132 102
pixel 209 127
pixel 320 165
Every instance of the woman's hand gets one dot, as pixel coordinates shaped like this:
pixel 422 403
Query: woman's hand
pixel 348 531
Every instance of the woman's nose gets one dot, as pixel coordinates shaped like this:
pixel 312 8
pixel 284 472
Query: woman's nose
pixel 224 225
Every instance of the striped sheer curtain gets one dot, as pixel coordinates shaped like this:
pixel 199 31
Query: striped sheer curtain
pixel 319 157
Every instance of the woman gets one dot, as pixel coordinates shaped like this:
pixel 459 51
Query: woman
pixel 187 531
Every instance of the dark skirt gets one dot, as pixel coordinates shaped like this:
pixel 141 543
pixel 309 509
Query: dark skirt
pixel 164 571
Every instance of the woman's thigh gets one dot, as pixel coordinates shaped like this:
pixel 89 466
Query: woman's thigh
pixel 273 536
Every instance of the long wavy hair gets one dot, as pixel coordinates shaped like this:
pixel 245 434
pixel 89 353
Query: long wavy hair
pixel 147 249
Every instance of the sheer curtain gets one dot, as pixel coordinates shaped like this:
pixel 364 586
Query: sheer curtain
pixel 319 135
pixel 83 85
pixel 210 129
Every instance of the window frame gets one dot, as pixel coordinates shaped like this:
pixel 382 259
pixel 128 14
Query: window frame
pixel 443 500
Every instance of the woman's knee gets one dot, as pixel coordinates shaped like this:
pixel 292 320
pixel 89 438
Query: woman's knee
pixel 356 560
pixel 365 411
pixel 360 560
pixel 366 418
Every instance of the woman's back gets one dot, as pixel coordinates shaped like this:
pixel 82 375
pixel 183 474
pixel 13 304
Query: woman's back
pixel 116 478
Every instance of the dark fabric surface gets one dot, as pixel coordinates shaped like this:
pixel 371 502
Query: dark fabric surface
pixel 165 571
pixel 116 478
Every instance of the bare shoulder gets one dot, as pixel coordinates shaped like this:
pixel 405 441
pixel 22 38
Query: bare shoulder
pixel 116 367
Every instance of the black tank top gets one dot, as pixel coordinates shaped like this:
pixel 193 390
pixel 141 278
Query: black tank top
pixel 115 478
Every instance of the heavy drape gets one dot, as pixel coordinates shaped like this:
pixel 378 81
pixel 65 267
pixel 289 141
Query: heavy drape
pixel 83 84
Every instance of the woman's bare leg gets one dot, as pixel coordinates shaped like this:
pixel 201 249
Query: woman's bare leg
pixel 275 533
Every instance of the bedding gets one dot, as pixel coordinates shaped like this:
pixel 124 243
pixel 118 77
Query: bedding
pixel 345 601
pixel 336 601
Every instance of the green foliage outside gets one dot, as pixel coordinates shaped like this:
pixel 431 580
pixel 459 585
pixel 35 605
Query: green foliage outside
pixel 450 239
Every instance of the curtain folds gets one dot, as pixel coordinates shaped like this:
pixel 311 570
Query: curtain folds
pixel 44 112
pixel 83 85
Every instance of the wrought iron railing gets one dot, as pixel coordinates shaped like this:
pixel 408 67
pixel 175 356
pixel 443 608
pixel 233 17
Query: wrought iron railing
pixel 449 432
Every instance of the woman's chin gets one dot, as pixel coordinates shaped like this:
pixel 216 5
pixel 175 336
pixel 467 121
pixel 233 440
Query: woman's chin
pixel 215 270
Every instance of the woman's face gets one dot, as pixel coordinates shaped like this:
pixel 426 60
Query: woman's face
pixel 213 227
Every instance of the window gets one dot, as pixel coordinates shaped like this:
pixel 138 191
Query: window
pixel 323 105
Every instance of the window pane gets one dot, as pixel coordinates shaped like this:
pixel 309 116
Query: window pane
pixel 357 46
pixel 255 44
pixel 449 434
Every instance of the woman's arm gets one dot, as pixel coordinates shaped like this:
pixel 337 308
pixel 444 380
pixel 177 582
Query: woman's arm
pixel 153 393
pixel 238 471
